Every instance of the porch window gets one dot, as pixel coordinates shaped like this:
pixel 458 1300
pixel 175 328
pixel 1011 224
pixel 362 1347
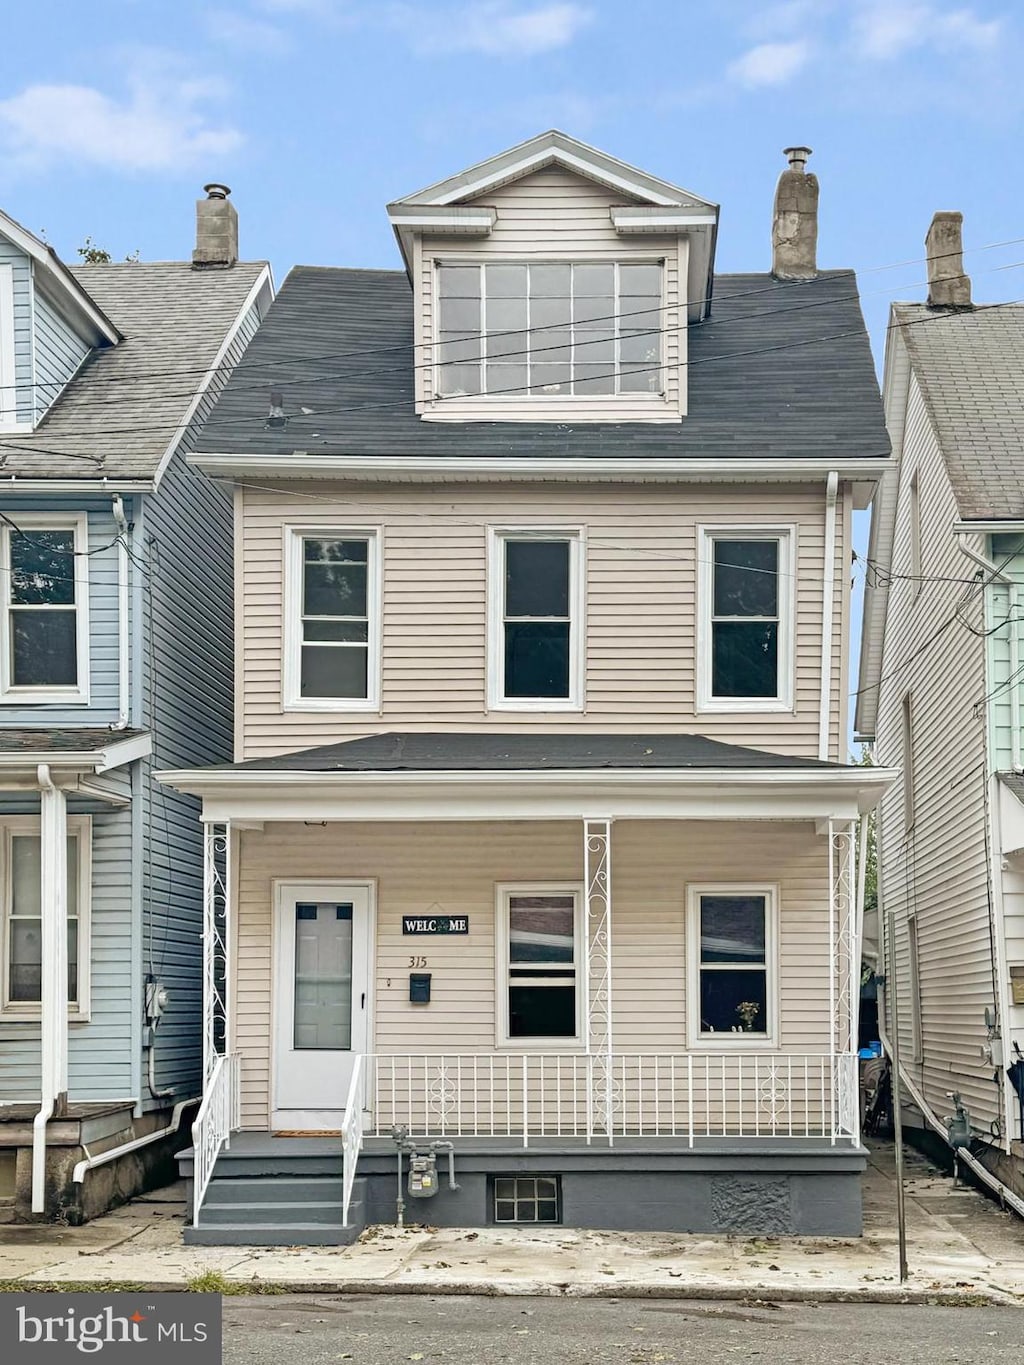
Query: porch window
pixel 745 627
pixel 731 937
pixel 20 879
pixel 536 625
pixel 332 645
pixel 550 329
pixel 540 931
pixel 44 601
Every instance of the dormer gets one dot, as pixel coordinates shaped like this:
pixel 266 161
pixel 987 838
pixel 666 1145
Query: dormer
pixel 48 326
pixel 554 283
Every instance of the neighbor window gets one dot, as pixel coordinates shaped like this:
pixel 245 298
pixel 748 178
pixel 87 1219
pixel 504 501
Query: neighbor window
pixel 745 627
pixel 20 910
pixel 333 626
pixel 549 329
pixel 907 756
pixel 539 929
pixel 536 630
pixel 44 595
pixel 731 947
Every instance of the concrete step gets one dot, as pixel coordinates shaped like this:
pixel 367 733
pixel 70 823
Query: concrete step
pixel 275 1234
pixel 231 1163
pixel 274 1189
pixel 285 1214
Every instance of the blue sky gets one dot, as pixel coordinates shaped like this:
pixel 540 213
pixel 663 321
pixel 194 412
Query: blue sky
pixel 317 112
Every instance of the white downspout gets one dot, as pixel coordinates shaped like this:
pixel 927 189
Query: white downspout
pixel 828 613
pixel 1011 588
pixel 53 1003
pixel 123 674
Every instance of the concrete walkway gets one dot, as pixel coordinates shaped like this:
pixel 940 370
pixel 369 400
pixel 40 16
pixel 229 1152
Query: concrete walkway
pixel 962 1247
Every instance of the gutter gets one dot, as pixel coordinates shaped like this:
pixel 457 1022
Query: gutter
pixel 828 612
pixel 1014 638
pixel 123 676
pixel 90 1163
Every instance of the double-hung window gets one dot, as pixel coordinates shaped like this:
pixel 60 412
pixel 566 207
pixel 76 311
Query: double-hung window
pixel 550 329
pixel 538 928
pixel 21 915
pixel 746 630
pixel 44 598
pixel 731 937
pixel 536 627
pixel 332 647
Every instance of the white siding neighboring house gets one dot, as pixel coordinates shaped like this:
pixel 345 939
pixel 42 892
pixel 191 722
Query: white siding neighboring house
pixel 540 836
pixel 940 696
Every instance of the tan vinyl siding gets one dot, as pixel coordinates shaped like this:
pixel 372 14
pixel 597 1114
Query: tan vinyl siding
pixel 556 215
pixel 456 867
pixel 939 870
pixel 641 608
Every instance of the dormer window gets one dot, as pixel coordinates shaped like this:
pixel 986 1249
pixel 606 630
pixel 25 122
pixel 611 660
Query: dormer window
pixel 550 329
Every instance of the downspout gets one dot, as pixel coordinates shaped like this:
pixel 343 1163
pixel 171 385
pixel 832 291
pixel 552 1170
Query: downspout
pixel 828 612
pixel 123 672
pixel 53 1002
pixel 1011 589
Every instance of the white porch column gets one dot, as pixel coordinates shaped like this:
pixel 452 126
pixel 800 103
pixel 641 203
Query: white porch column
pixel 216 921
pixel 844 979
pixel 53 1001
pixel 597 863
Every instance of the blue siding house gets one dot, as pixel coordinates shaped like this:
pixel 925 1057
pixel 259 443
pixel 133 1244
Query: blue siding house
pixel 116 657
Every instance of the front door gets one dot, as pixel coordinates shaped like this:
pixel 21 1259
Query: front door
pixel 321 1000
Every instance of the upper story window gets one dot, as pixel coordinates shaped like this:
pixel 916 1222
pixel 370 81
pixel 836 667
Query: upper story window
pixel 44 597
pixel 332 626
pixel 536 653
pixel 550 329
pixel 745 629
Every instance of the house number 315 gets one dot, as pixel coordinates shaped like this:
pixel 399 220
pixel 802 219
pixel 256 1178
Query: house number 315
pixel 417 961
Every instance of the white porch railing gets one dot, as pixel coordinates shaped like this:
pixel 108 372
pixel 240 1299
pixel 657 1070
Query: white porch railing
pixel 352 1135
pixel 528 1096
pixel 219 1116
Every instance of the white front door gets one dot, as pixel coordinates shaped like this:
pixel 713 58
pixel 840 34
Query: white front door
pixel 321 1000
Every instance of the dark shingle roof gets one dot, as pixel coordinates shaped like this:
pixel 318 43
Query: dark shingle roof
pixel 87 740
pixel 127 401
pixel 970 366
pixel 780 370
pixel 397 752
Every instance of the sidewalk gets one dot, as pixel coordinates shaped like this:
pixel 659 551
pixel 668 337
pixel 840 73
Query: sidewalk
pixel 961 1248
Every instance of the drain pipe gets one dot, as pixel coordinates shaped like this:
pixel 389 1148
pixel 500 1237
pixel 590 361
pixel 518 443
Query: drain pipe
pixel 53 993
pixel 828 612
pixel 91 1162
pixel 1014 637
pixel 123 675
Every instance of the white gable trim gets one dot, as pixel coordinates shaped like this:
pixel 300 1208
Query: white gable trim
pixel 8 373
pixel 64 284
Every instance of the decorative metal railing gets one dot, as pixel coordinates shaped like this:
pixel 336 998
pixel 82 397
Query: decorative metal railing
pixel 219 1116
pixel 352 1135
pixel 528 1096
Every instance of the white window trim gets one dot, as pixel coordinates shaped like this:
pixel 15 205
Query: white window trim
pixel 81 827
pixel 79 567
pixel 732 1042
pixel 786 536
pixel 291 641
pixel 576 538
pixel 502 893
pixel 540 403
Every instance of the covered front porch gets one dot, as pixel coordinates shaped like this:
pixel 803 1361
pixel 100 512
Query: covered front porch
pixel 679 968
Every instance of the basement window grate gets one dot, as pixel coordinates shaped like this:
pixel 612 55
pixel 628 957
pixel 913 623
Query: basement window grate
pixel 527 1199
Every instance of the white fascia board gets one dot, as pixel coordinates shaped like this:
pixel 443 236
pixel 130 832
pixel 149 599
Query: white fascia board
pixel 59 277
pixel 996 526
pixel 102 486
pixel 113 755
pixel 629 220
pixel 116 754
pixel 470 222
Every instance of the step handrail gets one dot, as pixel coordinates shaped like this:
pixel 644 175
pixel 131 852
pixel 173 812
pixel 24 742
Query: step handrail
pixel 219 1116
pixel 351 1136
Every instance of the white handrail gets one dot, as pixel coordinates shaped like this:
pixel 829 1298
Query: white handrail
pixel 351 1136
pixel 219 1115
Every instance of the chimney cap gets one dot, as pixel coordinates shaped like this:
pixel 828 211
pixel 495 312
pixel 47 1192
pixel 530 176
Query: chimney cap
pixel 797 156
pixel 215 191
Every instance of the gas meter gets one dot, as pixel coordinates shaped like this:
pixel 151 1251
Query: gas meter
pixel 422 1175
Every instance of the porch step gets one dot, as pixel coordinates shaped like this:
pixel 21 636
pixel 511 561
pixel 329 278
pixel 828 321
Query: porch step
pixel 272 1235
pixel 265 1212
pixel 255 1213
pixel 254 1191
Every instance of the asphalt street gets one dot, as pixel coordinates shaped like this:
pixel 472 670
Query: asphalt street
pixel 387 1329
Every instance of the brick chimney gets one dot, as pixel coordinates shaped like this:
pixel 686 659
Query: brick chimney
pixel 795 223
pixel 216 229
pixel 948 286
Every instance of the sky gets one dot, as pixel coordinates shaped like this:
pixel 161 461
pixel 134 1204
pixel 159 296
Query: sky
pixel 318 112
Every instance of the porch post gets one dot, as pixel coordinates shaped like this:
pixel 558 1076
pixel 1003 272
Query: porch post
pixel 216 873
pixel 844 986
pixel 597 862
pixel 53 993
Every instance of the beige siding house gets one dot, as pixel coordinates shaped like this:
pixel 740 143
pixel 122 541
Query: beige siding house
pixel 940 696
pixel 540 840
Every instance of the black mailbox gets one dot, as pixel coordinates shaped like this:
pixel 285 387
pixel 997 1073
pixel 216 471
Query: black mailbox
pixel 419 988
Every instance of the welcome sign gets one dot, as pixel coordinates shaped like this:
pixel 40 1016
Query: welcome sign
pixel 435 924
pixel 56 1328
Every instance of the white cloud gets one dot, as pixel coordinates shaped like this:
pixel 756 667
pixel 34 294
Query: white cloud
pixel 161 123
pixel 246 33
pixel 770 63
pixel 886 29
pixel 494 28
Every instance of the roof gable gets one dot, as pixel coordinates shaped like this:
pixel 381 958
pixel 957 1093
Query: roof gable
pixel 67 294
